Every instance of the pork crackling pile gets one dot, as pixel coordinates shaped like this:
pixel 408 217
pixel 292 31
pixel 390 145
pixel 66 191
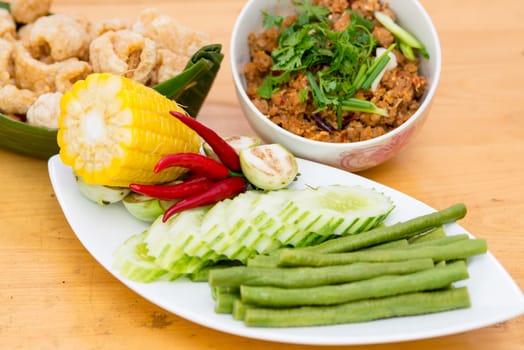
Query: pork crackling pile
pixel 42 53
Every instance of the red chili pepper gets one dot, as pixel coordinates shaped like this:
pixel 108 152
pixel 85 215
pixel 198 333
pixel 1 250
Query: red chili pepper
pixel 222 149
pixel 197 163
pixel 175 191
pixel 222 189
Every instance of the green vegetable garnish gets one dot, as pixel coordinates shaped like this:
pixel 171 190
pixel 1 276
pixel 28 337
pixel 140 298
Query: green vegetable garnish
pixel 407 41
pixel 337 63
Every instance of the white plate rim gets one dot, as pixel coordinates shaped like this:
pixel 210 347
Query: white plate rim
pixel 484 311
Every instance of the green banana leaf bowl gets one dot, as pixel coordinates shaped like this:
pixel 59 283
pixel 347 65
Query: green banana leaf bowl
pixel 189 89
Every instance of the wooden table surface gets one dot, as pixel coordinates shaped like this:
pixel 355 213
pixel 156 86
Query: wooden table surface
pixel 54 295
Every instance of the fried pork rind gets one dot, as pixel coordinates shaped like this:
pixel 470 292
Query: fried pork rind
pixel 14 100
pixel 23 34
pixel 6 62
pixel 169 64
pixel 176 43
pixel 59 36
pixel 27 11
pixel 168 33
pixel 41 77
pixel 70 71
pixel 31 73
pixel 113 24
pixel 7 25
pixel 45 110
pixel 124 52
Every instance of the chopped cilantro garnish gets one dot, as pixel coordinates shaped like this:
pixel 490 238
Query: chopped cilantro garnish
pixel 336 63
pixel 270 20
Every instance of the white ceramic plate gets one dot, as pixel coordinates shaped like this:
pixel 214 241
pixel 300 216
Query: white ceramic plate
pixel 494 295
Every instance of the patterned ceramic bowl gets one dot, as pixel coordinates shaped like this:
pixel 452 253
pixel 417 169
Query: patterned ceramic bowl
pixel 353 156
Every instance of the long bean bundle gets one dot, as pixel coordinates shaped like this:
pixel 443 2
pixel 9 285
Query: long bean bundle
pixel 408 268
pixel 359 311
pixel 457 250
pixel 300 277
pixel 377 287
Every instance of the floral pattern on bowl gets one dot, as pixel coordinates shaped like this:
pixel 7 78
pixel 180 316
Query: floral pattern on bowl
pixel 364 158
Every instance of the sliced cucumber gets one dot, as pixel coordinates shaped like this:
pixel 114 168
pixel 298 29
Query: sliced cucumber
pixel 189 264
pixel 145 208
pixel 265 216
pixel 166 242
pixel 132 261
pixel 103 195
pixel 230 221
pixel 337 210
pixel 251 223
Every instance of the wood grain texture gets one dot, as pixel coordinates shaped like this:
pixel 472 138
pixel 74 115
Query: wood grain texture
pixel 54 295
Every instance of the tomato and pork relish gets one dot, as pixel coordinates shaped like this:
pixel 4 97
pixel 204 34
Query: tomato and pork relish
pixel 335 70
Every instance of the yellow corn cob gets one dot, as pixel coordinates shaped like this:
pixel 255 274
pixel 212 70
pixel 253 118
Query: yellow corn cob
pixel 113 131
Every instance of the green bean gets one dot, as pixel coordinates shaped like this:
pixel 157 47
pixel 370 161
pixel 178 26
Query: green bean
pixel 216 291
pixel 239 309
pixel 199 276
pixel 360 311
pixel 300 277
pixel 270 260
pixel 437 232
pixel 224 302
pixel 457 250
pixel 371 288
pixel 400 243
pixel 202 275
pixel 396 231
pixel 441 263
pixel 439 241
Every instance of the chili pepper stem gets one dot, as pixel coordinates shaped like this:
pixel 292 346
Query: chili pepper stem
pixel 236 173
